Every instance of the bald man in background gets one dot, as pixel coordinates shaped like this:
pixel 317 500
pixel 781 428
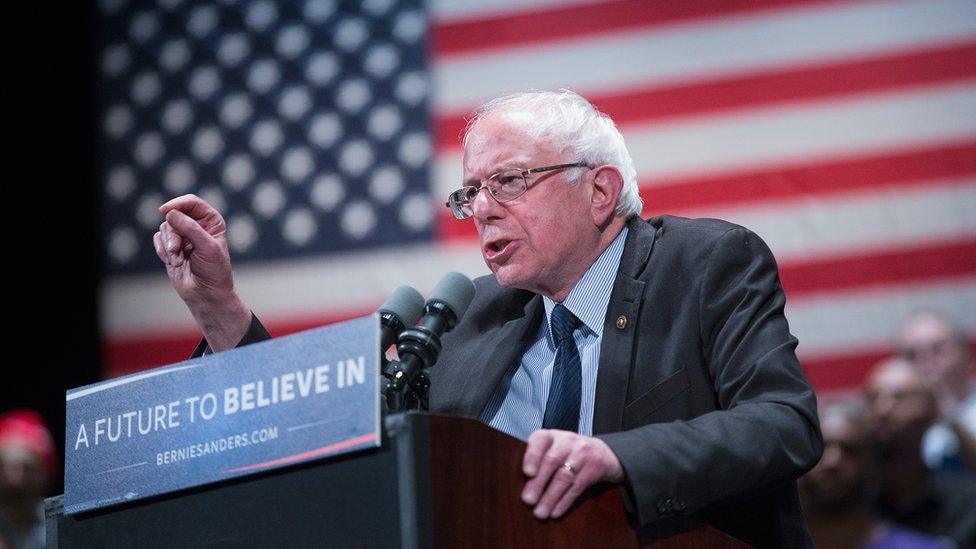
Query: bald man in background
pixel 940 350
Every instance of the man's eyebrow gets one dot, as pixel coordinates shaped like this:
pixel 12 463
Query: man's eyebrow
pixel 474 181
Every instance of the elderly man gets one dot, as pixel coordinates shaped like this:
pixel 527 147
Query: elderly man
pixel 653 354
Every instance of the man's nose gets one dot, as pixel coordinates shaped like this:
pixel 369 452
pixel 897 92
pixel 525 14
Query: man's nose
pixel 485 207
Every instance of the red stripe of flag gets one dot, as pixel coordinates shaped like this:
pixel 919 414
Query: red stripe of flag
pixel 895 169
pixel 793 85
pixel 928 166
pixel 846 370
pixel 123 355
pixel 945 260
pixel 127 354
pixel 933 261
pixel 843 371
pixel 570 22
pixel 826 372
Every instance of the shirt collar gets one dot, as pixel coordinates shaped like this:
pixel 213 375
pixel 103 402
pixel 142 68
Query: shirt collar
pixel 590 297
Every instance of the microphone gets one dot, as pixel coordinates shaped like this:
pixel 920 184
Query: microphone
pixel 418 347
pixel 401 309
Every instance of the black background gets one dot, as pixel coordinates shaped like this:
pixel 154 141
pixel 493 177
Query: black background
pixel 50 230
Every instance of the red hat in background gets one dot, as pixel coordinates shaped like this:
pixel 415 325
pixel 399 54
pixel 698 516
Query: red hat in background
pixel 28 427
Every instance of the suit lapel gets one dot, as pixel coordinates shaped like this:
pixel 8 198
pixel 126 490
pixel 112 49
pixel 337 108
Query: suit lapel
pixel 500 351
pixel 616 349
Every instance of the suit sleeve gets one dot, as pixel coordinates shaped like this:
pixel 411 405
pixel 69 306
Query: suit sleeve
pixel 255 333
pixel 765 430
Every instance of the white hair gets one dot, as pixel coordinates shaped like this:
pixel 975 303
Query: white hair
pixel 572 124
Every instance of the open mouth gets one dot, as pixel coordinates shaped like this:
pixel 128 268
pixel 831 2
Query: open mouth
pixel 498 250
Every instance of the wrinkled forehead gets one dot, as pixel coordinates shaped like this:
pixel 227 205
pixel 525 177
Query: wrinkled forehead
pixel 502 139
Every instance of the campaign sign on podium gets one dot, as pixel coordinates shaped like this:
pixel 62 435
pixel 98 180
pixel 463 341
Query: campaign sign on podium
pixel 271 404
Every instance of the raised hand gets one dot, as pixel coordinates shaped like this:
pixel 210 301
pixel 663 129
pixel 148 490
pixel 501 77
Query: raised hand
pixel 192 243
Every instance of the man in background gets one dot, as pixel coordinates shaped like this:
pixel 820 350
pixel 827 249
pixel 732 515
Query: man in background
pixel 901 408
pixel 940 350
pixel 838 494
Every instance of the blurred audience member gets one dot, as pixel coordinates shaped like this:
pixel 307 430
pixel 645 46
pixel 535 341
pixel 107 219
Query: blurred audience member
pixel 940 349
pixel 27 465
pixel 837 495
pixel 901 409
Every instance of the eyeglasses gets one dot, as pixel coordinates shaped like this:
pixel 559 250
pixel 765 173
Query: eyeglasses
pixel 503 186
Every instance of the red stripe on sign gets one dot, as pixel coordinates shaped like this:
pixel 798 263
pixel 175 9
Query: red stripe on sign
pixel 499 32
pixel 318 452
pixel 848 370
pixel 930 166
pixel 797 84
pixel 933 261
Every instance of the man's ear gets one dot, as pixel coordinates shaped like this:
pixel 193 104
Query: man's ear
pixel 608 183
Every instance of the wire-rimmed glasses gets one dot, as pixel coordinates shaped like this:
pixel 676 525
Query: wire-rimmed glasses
pixel 503 186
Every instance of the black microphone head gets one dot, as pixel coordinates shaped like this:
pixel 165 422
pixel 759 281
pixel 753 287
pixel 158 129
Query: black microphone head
pixel 405 303
pixel 454 290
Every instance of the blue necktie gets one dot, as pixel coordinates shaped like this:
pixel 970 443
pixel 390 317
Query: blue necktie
pixel 563 404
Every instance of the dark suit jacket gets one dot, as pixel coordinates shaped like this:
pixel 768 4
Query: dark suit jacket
pixel 699 392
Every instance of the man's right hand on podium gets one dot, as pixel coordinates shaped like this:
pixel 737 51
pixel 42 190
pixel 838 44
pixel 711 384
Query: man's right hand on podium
pixel 192 243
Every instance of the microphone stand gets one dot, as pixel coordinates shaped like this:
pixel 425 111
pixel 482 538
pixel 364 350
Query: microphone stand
pixel 418 349
pixel 413 396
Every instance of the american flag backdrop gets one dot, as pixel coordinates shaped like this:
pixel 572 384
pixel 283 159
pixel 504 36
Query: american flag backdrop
pixel 842 131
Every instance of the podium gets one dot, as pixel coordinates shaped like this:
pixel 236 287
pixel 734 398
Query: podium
pixel 436 481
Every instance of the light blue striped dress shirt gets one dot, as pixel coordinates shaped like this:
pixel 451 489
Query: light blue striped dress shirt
pixel 519 403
